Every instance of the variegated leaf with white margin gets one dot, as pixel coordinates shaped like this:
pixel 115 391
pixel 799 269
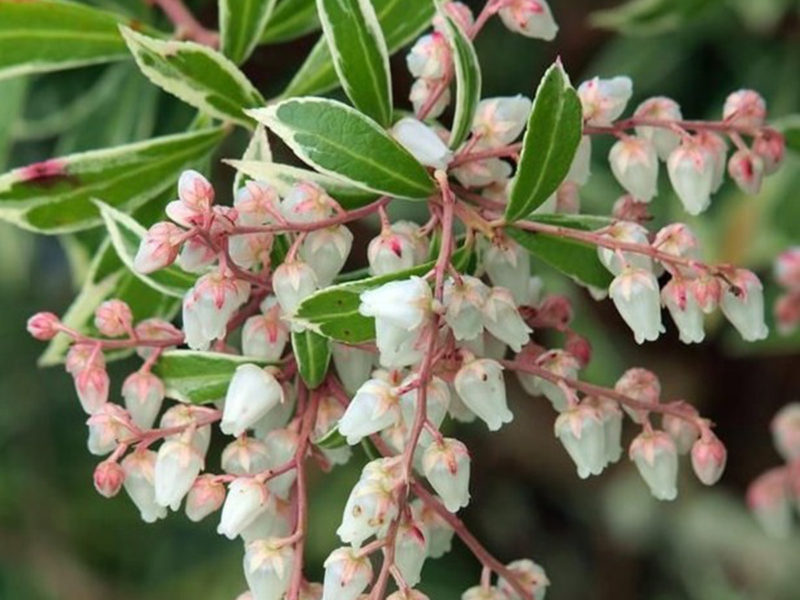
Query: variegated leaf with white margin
pixel 126 235
pixel 342 142
pixel 197 74
pixel 55 196
pixel 241 23
pixel 283 177
pixel 360 56
pixel 258 150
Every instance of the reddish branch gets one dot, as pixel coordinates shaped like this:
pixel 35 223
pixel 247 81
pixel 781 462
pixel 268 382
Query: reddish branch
pixel 187 27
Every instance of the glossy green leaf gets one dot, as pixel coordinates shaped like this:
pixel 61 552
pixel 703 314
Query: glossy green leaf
pixel 55 196
pixel 576 259
pixel 291 19
pixel 551 139
pixel 126 235
pixel 283 177
pixel 48 35
pixel 401 21
pixel 332 440
pixel 312 352
pixel 198 377
pixel 196 74
pixel 468 82
pixel 360 56
pixel 333 312
pixel 241 23
pixel 340 141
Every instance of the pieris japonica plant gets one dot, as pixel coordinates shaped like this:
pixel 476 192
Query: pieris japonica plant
pixel 249 326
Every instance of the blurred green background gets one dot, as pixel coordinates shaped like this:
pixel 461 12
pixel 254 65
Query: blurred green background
pixel 603 538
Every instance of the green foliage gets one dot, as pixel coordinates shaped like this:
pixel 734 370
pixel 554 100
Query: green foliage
pixel 313 355
pixel 291 19
pixel 241 24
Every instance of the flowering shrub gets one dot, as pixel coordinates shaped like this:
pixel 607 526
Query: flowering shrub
pixel 296 362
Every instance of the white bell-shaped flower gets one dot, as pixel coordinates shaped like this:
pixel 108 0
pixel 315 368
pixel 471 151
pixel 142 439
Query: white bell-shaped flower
pixel 107 427
pixel 371 506
pixel 530 575
pixel 347 575
pixel 326 251
pixel 205 497
pixel 446 466
pixel 279 416
pixel 245 456
pixel 641 385
pixel 247 498
pixel 143 394
pixel 659 108
pixel 508 265
pixel 265 335
pixel 636 295
pixel 684 310
pixel 464 301
pixel 656 458
pixel 500 121
pixel 307 202
pixel 580 429
pixel 429 57
pixel 437 531
pixel 407 595
pixel 743 305
pixel 373 408
pixel 611 415
pixel 274 521
pixel 251 394
pixel 353 365
pixel 634 163
pixel 281 447
pixel 268 568
pixel 531 19
pixel 390 252
pixel 405 303
pixel 630 233
pixel 292 283
pixel 185 416
pixel 682 432
pixel 419 239
pixel 745 108
pixel 397 346
pixel 562 364
pixel 691 171
pixel 482 173
pixel 208 307
pixel 177 466
pixel 480 385
pixel 422 142
pixel 502 319
pixel 410 551
pixel 139 467
pixel 604 100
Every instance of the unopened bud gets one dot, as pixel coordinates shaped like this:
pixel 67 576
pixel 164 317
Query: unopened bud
pixel 143 394
pixel 429 57
pixel 500 121
pixel 347 575
pixel 662 109
pixel 139 467
pixel 745 108
pixel 91 384
pixel 630 233
pixel 656 459
pixel 742 304
pixel 708 458
pixel 205 497
pixel 634 163
pixel 770 146
pixel 326 251
pixel 683 432
pixel 531 18
pixel 447 465
pixel 636 295
pixel 422 142
pixel 390 252
pixel 159 247
pixel 265 335
pixel 746 168
pixel 529 575
pixel 628 208
pixel 43 326
pixel 641 385
pixel 604 100
pixel 421 92
pixel 306 202
pixel 108 478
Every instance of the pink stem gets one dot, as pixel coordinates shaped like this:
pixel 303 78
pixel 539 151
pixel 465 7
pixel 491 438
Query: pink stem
pixel 186 25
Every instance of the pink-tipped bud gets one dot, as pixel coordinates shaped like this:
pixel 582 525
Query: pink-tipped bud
pixel 205 497
pixel 746 168
pixel 447 465
pixel 143 393
pixel 627 232
pixel 678 240
pixel 708 458
pixel 659 108
pixel 692 171
pixel 159 247
pixel 43 326
pixel 420 95
pixel 195 190
pixel 555 312
pixel 257 203
pixel 684 310
pixel 531 18
pixel 707 291
pixel 265 336
pixel 91 384
pixel 745 108
pixel 108 478
pixel 787 268
pixel 604 100
pixel 579 347
pixel 459 12
pixel 742 304
pixel 113 318
pixel 637 298
pixel 641 385
pixel 530 575
pixel 770 146
pixel 628 208
pixel 656 458
pixel 634 163
pixel 769 498
pixel 156 329
pixel 787 312
pixel 683 432
pixel 107 427
pixel 346 574
pixel 429 57
pixel 785 429
pixel 307 202
pixel 390 252
pixel 565 366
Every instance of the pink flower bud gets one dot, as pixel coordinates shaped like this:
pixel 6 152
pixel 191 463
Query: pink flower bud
pixel 579 347
pixel 684 310
pixel 113 318
pixel 421 92
pixel 429 57
pixel 641 385
pixel 502 319
pixel 447 467
pixel 691 168
pixel 745 108
pixel 508 265
pixel 747 169
pixel 108 478
pixel 634 163
pixel 347 575
pixel 787 312
pixel 159 247
pixel 500 121
pixel 390 252
pixel 205 497
pixel 459 12
pixel 714 144
pixel 422 142
pixel 770 146
pixel 107 427
pixel 636 295
pixel 257 203
pixel 628 208
pixel 481 386
pixel 787 268
pixel 785 429
pixel 155 329
pixel 43 326
pixel 531 18
pixel 768 497
pixel 604 100
pixel 678 240
pixel 565 366
pixel 410 551
pixel 684 433
pixel 627 232
pixel 707 291
pixel 530 575
pixel 742 304
pixel 143 393
pixel 326 251
pixel 708 458
pixel 265 336
pixel 195 190
pixel 249 250
pixel 656 458
pixel 91 384
pixel 662 109
pixel 268 568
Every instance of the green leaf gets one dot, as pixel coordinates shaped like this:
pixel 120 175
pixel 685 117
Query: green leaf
pixel 313 355
pixel 41 36
pixel 339 141
pixel 551 139
pixel 332 440
pixel 283 177
pixel 107 278
pixel 360 56
pixel 196 74
pixel 291 19
pixel 241 23
pixel 198 377
pixel 401 21
pixel 258 150
pixel 468 81
pixel 333 312
pixel 649 17
pixel 576 259
pixel 55 196
pixel 126 235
